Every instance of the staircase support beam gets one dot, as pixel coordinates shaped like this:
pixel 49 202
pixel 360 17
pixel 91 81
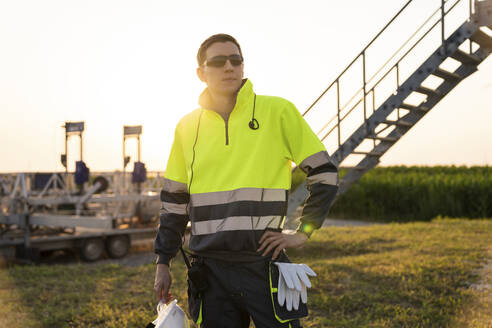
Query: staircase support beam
pixel 412 117
pixel 410 85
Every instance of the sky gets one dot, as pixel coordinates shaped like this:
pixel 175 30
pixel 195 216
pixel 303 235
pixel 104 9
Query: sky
pixel 113 63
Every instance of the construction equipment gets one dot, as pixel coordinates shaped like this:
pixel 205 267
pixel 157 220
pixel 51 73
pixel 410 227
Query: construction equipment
pixel 57 217
pixel 48 211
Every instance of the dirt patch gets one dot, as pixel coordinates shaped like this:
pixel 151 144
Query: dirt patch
pixel 485 273
pixel 478 314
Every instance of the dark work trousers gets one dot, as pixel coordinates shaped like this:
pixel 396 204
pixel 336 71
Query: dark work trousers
pixel 238 291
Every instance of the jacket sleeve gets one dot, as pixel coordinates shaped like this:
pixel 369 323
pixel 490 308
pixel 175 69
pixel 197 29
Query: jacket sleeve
pixel 173 216
pixel 309 153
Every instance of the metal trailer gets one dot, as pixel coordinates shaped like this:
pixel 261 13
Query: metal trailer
pixel 108 217
pixel 92 245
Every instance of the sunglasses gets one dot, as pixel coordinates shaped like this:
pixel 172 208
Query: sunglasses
pixel 220 61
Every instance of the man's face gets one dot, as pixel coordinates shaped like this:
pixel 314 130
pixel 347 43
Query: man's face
pixel 225 80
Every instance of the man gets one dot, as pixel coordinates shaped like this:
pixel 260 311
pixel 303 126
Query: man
pixel 229 173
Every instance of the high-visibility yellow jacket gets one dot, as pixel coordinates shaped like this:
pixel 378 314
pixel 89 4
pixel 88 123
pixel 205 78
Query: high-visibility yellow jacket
pixel 232 181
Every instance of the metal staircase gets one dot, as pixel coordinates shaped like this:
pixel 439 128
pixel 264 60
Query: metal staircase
pixel 386 122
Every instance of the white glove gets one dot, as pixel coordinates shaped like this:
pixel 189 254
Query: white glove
pixel 293 282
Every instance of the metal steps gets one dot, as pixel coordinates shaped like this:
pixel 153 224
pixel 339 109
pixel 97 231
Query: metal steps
pixel 416 112
pixel 414 108
pixel 443 74
pixel 387 139
pixel 398 123
pixel 368 153
pixel 482 38
pixel 465 58
pixel 408 106
pixel 469 64
pixel 469 30
pixel 427 91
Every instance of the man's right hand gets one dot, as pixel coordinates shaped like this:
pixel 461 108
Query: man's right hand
pixel 162 283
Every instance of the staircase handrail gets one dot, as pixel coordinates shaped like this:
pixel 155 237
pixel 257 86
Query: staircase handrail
pixel 366 92
pixel 357 57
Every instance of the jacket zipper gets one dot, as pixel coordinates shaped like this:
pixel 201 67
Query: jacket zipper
pixel 227 132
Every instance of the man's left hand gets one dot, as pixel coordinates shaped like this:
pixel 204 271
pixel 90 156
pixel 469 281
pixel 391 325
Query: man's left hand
pixel 280 240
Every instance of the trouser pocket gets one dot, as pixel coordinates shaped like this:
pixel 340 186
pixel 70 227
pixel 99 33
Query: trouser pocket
pixel 281 312
pixel 195 304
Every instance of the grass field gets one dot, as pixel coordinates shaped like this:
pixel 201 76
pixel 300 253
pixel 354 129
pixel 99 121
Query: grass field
pixel 397 275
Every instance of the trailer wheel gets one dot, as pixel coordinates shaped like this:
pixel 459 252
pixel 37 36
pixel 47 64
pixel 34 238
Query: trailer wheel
pixel 118 246
pixel 92 249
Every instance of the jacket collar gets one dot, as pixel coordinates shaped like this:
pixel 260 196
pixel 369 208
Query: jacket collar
pixel 244 94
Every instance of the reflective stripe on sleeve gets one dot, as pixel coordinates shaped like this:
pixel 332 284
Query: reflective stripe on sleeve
pixel 243 194
pixel 330 178
pixel 173 208
pixel 315 160
pixel 236 223
pixel 174 186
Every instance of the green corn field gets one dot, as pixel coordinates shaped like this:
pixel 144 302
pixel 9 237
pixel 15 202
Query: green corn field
pixel 416 193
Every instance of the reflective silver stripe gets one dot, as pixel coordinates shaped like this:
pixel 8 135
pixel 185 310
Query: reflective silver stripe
pixel 315 160
pixel 235 223
pixel 173 208
pixel 243 194
pixel 173 186
pixel 330 178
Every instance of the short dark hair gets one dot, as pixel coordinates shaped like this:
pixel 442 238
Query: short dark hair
pixel 201 56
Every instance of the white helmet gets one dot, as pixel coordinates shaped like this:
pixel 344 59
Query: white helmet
pixel 170 316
